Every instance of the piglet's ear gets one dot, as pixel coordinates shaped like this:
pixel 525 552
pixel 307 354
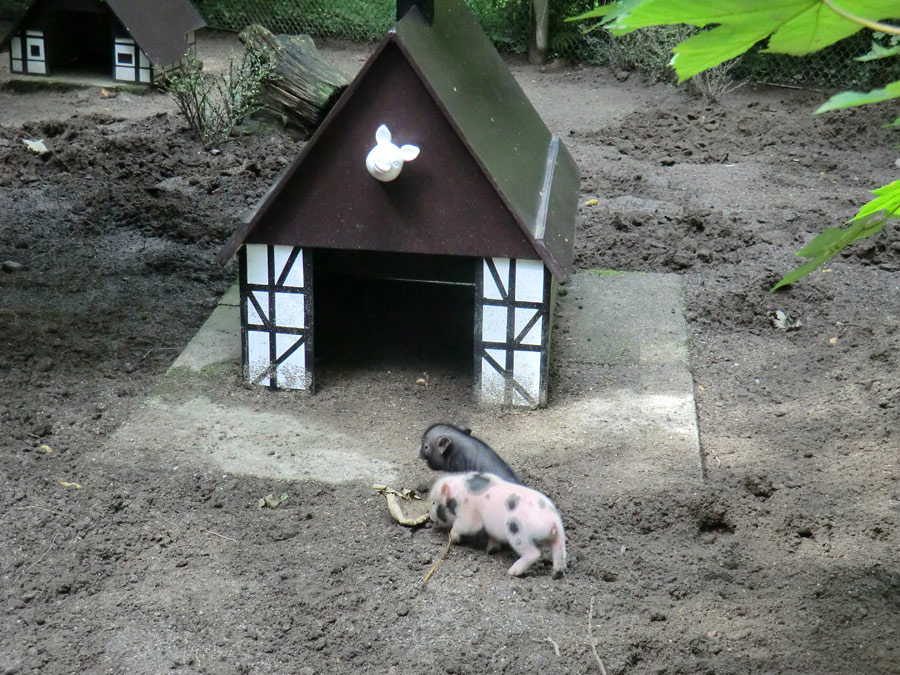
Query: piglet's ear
pixel 443 444
pixel 409 152
pixel 445 491
pixel 383 134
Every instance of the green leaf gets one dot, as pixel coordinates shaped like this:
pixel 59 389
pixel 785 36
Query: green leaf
pixel 596 13
pixel 870 220
pixel 887 198
pixel 703 12
pixel 710 48
pixel 793 26
pixel 800 272
pixel 879 52
pixel 815 28
pixel 608 13
pixel 821 243
pixel 849 99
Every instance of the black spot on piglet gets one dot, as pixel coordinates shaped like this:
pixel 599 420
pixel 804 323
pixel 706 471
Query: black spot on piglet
pixel 478 483
pixel 513 526
pixel 512 502
pixel 441 513
pixel 451 506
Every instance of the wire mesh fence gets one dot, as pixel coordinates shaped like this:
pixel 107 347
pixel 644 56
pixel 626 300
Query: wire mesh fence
pixel 507 22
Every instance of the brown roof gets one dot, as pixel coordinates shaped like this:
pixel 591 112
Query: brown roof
pixel 491 180
pixel 158 27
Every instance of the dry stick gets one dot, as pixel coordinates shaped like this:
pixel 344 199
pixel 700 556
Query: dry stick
pixel 591 637
pixel 40 508
pixel 216 534
pixel 550 640
pixel 437 562
pixel 39 559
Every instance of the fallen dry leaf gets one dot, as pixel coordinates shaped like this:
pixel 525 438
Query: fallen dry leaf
pixel 405 506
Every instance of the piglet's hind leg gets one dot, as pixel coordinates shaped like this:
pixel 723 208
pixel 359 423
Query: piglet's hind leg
pixel 558 550
pixel 529 555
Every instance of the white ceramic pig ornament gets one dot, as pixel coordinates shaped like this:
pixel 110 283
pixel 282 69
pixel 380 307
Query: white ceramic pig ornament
pixel 385 160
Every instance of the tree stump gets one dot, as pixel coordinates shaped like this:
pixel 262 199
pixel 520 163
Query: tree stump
pixel 305 87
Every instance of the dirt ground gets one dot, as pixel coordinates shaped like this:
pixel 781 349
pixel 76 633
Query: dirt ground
pixel 786 560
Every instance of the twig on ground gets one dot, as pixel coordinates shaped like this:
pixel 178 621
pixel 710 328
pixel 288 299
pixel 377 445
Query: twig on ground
pixel 793 86
pixel 591 637
pixel 437 562
pixel 156 349
pixel 40 508
pixel 222 536
pixel 550 640
pixel 28 569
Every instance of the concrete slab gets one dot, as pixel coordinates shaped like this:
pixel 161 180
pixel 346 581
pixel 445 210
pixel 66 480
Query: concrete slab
pixel 621 403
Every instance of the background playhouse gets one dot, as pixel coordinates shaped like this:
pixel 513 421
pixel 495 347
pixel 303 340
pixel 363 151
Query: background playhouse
pixel 122 39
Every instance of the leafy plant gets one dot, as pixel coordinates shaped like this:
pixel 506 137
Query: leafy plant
pixel 214 105
pixel 795 27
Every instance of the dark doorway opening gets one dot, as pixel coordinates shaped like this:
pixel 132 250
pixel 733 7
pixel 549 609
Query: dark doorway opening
pixel 79 43
pixel 389 310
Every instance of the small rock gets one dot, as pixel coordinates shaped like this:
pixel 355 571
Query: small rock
pixel 12 266
pixel 704 254
pixel 621 74
pixel 779 319
pixel 680 261
pixel 555 66
pixel 45 365
pixel 36 146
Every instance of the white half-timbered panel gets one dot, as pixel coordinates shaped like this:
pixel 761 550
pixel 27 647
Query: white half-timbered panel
pixel 17 64
pixel 35 56
pixel 125 60
pixel 276 312
pixel 512 332
pixel 145 68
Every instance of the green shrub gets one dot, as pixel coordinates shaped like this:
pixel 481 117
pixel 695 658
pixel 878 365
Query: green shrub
pixel 214 105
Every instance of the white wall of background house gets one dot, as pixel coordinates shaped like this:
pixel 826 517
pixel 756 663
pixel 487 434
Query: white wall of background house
pixel 28 53
pixel 131 63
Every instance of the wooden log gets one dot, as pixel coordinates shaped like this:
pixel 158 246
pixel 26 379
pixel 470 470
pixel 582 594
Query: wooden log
pixel 305 87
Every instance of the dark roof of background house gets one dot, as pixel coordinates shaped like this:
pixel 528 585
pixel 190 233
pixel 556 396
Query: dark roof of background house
pixel 531 175
pixel 158 26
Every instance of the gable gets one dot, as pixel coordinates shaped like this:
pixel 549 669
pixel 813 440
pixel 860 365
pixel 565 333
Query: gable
pixel 442 202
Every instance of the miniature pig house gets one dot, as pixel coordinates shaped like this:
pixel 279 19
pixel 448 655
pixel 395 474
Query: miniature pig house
pixel 120 39
pixel 432 207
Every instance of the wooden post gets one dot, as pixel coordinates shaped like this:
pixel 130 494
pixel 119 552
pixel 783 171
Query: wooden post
pixel 539 34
